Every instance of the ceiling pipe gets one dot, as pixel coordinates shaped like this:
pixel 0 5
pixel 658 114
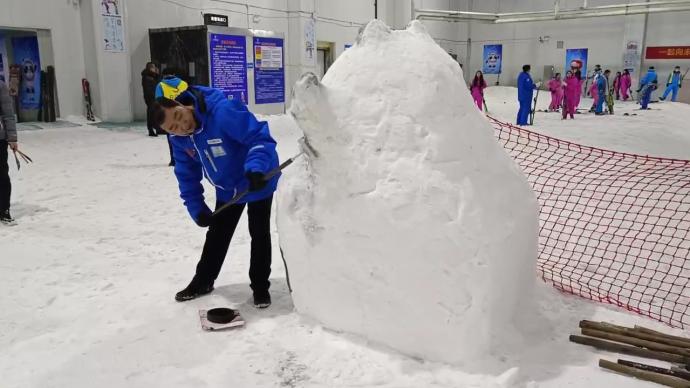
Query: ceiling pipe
pixel 555 14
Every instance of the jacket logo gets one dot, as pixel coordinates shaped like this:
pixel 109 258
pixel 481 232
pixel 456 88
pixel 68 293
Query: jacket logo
pixel 214 141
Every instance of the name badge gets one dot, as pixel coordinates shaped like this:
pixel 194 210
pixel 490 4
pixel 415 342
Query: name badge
pixel 214 141
pixel 218 151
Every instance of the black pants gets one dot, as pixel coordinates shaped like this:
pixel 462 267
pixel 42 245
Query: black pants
pixel 5 184
pixel 172 160
pixel 149 120
pixel 218 239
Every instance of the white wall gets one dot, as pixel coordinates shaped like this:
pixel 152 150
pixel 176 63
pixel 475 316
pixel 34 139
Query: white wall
pixel 668 29
pixel 63 20
pixel 605 37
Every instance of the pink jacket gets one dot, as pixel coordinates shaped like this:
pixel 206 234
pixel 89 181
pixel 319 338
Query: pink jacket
pixel 625 82
pixel 554 85
pixel 572 90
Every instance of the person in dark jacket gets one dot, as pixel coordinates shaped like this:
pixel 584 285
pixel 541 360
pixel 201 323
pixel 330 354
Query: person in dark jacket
pixel 221 140
pixel 150 77
pixel 8 138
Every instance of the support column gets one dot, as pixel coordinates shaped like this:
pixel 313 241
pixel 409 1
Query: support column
pixel 110 46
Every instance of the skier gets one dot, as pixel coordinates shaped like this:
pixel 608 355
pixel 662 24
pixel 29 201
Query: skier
pixel 673 83
pixel 625 84
pixel 647 85
pixel 525 87
pixel 150 77
pixel 600 91
pixel 608 93
pixel 593 89
pixel 617 85
pixel 8 138
pixel 221 140
pixel 477 88
pixel 577 74
pixel 571 90
pixel 556 88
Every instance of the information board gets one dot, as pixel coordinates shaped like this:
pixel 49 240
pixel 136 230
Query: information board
pixel 269 71
pixel 228 54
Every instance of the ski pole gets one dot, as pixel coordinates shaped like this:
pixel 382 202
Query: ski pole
pixel 24 156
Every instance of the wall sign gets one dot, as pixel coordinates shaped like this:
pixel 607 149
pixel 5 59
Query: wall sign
pixel 668 52
pixel 212 19
pixel 229 65
pixel 492 59
pixel 113 26
pixel 26 55
pixel 576 59
pixel 269 71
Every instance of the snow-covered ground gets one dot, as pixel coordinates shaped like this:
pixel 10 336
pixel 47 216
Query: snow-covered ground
pixel 103 243
pixel 662 131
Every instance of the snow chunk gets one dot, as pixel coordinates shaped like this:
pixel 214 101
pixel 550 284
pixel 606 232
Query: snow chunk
pixel 413 228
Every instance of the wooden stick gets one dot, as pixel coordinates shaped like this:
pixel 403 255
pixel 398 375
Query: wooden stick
pixel 641 329
pixel 611 328
pixel 669 372
pixel 680 369
pixel 658 378
pixel 637 342
pixel 628 349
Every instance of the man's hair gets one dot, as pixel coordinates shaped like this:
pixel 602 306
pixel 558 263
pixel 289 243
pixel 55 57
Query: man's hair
pixel 651 67
pixel 157 110
pixel 607 71
pixel 526 67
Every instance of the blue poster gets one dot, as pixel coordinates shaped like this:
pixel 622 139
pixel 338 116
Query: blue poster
pixel 493 56
pixel 228 65
pixel 26 54
pixel 576 59
pixel 269 71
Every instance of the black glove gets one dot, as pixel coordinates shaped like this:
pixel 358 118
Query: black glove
pixel 256 180
pixel 204 219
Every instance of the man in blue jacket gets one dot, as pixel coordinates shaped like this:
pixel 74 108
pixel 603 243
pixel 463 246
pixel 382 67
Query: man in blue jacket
pixel 601 82
pixel 525 87
pixel 647 85
pixel 673 83
pixel 221 140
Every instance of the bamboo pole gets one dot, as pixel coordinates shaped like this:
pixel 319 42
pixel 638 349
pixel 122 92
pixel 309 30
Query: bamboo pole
pixel 628 349
pixel 637 342
pixel 669 372
pixel 622 330
pixel 645 330
pixel 658 378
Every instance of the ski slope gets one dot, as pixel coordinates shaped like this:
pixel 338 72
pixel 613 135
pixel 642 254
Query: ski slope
pixel 103 243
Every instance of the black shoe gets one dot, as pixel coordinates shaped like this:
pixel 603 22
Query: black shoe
pixel 6 218
pixel 662 98
pixel 262 299
pixel 193 292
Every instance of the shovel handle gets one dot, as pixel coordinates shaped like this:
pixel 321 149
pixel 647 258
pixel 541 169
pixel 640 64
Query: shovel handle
pixel 267 177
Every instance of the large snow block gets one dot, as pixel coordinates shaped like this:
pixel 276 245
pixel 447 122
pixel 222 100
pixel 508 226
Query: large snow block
pixel 413 227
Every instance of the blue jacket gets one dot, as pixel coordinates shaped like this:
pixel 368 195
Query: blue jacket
pixel 649 78
pixel 601 84
pixel 229 143
pixel 525 86
pixel 674 79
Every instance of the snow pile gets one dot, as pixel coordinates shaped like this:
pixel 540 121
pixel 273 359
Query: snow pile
pixel 413 228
